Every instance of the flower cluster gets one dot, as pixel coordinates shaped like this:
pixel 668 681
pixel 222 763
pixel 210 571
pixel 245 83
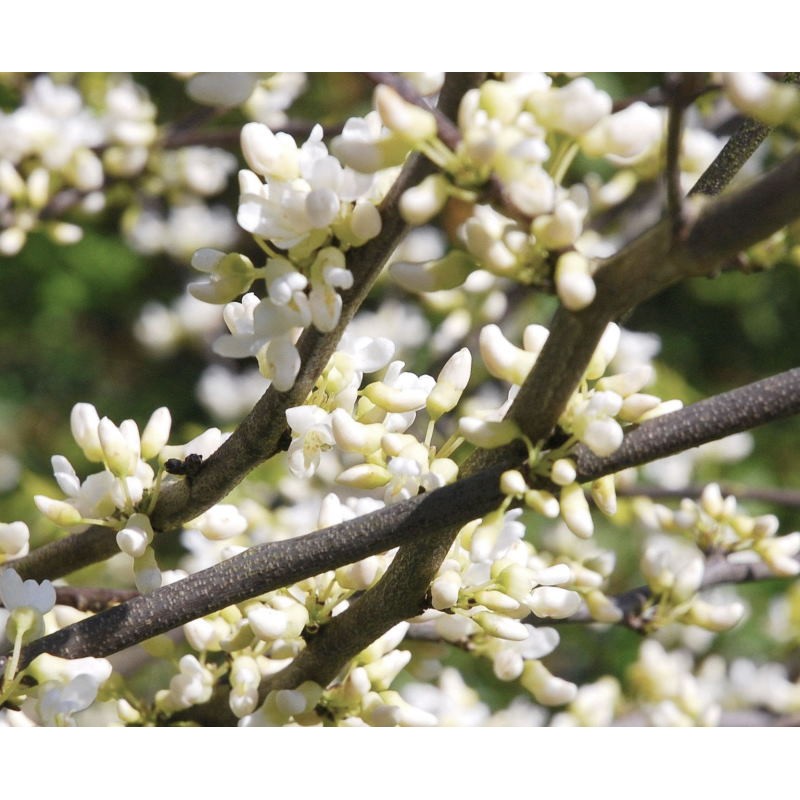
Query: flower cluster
pixel 70 142
pixel 717 525
pixel 306 210
pixel 121 494
pixel 523 130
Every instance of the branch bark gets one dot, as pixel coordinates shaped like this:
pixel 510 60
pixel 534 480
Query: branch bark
pixel 648 265
pixel 262 433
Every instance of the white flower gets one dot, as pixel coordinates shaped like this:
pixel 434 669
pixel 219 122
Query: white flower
pixel 66 686
pixel 311 436
pixel 574 109
pixel 221 88
pixel 14 538
pixel 626 136
pixel 221 521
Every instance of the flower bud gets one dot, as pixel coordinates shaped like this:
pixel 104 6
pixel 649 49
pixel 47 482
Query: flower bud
pixel 156 433
pixel 552 601
pixel 273 155
pixel 118 455
pixel 393 399
pixel 501 627
pixel 503 359
pixel 58 511
pixel 575 511
pixel 604 495
pixel 563 472
pixel 488 434
pixel 136 535
pixel 14 539
pixel 364 476
pixel 715 617
pixel 422 202
pixel 543 502
pixel 574 283
pixel 413 123
pixel 83 423
pixel 444 590
pixel 512 483
pixel 546 688
pixel 433 276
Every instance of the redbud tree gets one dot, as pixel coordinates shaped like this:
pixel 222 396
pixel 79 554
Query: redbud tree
pixel 399 399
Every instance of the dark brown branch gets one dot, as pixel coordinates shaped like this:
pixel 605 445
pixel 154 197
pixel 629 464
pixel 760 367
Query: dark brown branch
pixel 261 433
pixel 736 152
pixel 738 410
pixel 420 519
pixel 648 265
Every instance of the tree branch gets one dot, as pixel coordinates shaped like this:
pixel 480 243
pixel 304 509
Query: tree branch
pixel 419 520
pixel 262 433
pixel 649 264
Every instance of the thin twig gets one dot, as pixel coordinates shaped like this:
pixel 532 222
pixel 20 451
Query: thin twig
pixel 648 265
pixel 789 498
pixel 262 433
pixel 270 566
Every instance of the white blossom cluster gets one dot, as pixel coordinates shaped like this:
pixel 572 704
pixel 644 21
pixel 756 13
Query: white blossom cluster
pixel 72 141
pixel 375 430
pixel 121 494
pixel 716 524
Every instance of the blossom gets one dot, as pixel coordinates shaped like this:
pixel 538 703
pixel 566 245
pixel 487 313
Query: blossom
pixel 27 601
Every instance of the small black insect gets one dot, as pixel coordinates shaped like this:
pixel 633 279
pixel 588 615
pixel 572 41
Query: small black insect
pixel 189 467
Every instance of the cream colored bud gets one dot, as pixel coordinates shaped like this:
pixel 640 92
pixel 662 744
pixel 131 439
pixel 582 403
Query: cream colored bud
pixel 574 283
pixel 512 483
pixel 156 432
pixel 413 123
pixel 503 359
pixel 542 502
pixel 450 384
pixel 117 452
pixel 445 273
pixel 667 407
pixel 604 495
pixel 714 617
pixel 534 338
pixel 355 437
pixel 606 350
pixel 83 423
pixel 575 511
pixel 627 383
pixel 364 476
pixel 500 100
pixel 601 607
pixel 58 511
pixel 11 183
pixel 270 154
pixel 711 500
pixel 761 97
pixel 485 433
pixel 546 688
pixel 501 627
pixel 445 469
pixel 563 472
pixel 553 601
pixel 422 202
pixel 395 400
pixel 635 405
pixel 365 222
pixel 496 601
pixel 445 589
